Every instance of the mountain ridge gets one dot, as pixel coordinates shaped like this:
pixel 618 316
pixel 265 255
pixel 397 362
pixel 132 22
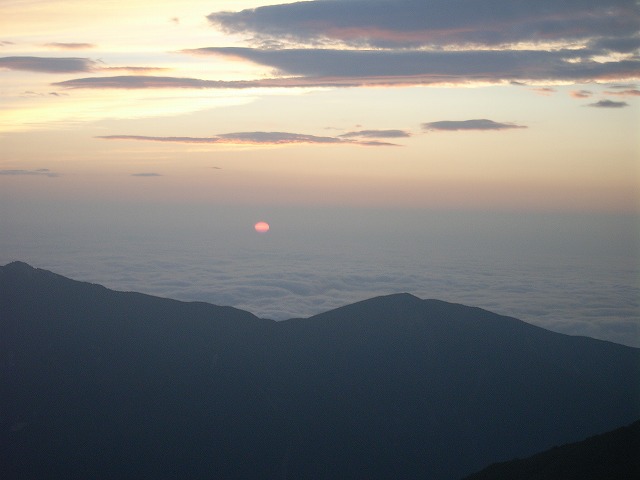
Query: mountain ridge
pixel 614 455
pixel 386 387
pixel 400 299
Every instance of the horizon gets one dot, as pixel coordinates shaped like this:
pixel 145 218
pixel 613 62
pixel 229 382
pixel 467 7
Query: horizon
pixel 484 156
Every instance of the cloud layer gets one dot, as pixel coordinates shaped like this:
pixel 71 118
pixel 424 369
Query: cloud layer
pixel 478 124
pixel 353 43
pixel 608 104
pixel 48 65
pixel 376 134
pixel 45 172
pixel 393 67
pixel 357 137
pixel 69 65
pixel 70 45
pixel 441 40
pixel 439 23
pixel 253 138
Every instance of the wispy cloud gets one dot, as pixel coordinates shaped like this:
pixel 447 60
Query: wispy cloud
pixel 546 91
pixel 376 134
pixel 69 65
pixel 70 45
pixel 251 138
pixel 623 86
pixel 608 104
pixel 632 92
pixel 581 93
pixel 134 82
pixel 45 172
pixel 477 124
pixel 31 93
pixel 133 69
pixel 149 81
pixel 48 65
pixel 146 174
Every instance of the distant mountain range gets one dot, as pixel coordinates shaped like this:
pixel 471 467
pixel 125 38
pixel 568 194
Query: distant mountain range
pixel 96 383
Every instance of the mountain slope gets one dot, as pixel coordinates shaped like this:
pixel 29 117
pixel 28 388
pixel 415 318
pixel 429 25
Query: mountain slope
pixel 414 382
pixel 613 455
pixel 106 384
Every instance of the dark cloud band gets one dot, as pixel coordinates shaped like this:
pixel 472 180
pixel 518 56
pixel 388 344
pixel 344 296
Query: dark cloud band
pixel 417 23
pixel 376 134
pixel 42 172
pixel 48 65
pixel 478 124
pixel 608 104
pixel 424 67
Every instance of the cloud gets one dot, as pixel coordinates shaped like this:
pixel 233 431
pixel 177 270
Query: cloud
pixel 632 92
pixel 545 90
pixel 581 93
pixel 401 67
pixel 70 45
pixel 48 65
pixel 437 23
pixel 400 42
pixel 31 93
pixel 620 45
pixel 148 81
pixel 68 65
pixel 132 82
pixel 251 138
pixel 608 104
pixel 45 172
pixel 623 86
pixel 376 134
pixel 146 174
pixel 133 69
pixel 478 124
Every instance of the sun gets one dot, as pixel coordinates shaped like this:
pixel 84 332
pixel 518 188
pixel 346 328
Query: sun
pixel 261 227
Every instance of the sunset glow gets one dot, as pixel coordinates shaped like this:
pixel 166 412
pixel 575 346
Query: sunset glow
pixel 138 118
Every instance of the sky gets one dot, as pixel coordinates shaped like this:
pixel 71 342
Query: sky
pixel 479 152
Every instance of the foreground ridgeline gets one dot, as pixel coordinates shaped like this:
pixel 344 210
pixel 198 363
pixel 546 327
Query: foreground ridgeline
pixel 612 455
pixel 97 384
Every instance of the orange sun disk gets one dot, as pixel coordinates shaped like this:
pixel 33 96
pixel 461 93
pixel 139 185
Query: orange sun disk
pixel 261 227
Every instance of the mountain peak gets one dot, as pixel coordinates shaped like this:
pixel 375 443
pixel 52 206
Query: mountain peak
pixel 19 265
pixel 18 268
pixel 394 298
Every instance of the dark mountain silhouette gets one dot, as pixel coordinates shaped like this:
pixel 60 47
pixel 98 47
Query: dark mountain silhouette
pixel 102 384
pixel 613 455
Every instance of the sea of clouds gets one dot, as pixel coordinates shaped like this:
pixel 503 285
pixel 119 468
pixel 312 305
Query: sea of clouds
pixel 574 274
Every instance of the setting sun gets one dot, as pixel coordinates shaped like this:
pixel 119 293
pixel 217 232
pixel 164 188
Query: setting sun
pixel 261 227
